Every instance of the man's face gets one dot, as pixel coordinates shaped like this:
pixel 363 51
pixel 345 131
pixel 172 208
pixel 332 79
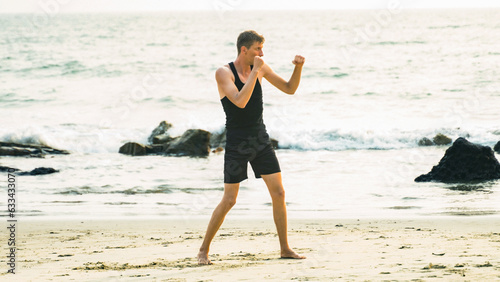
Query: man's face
pixel 255 50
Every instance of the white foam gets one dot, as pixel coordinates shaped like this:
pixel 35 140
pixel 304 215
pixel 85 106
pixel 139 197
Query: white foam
pixel 361 139
pixel 75 138
pixel 92 139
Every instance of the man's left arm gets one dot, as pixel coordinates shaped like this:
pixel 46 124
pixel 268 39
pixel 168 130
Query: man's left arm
pixel 290 86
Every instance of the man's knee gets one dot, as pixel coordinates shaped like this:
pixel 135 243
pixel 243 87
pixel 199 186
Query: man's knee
pixel 230 194
pixel 278 194
pixel 229 201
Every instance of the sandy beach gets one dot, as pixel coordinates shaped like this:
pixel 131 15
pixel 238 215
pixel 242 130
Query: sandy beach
pixel 454 249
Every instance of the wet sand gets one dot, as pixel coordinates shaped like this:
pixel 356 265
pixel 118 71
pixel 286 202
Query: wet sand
pixel 457 249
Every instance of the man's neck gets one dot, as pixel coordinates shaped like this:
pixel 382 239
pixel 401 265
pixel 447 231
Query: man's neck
pixel 242 66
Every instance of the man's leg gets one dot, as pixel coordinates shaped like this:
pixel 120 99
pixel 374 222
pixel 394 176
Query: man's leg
pixel 227 202
pixel 273 182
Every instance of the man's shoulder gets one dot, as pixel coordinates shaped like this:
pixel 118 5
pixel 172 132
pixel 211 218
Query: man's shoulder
pixel 224 71
pixel 224 68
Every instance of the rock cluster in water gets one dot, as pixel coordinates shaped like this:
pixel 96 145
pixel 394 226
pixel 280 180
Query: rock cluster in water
pixel 36 171
pixel 439 139
pixel 13 149
pixel 28 150
pixel 464 162
pixel 194 143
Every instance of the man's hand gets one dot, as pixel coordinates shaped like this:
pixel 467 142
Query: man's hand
pixel 299 60
pixel 258 62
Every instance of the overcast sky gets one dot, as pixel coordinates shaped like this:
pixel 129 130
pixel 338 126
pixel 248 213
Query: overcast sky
pixel 30 6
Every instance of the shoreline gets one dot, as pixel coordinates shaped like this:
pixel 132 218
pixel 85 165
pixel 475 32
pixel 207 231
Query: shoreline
pixel 243 249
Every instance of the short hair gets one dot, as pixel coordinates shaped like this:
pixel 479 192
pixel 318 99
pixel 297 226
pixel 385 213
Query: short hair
pixel 248 38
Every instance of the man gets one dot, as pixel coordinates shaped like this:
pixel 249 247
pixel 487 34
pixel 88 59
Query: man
pixel 239 85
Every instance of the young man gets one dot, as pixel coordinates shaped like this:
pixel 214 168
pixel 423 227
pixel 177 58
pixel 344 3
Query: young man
pixel 239 85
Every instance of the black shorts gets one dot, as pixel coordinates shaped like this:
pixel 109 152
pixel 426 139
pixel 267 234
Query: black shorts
pixel 245 145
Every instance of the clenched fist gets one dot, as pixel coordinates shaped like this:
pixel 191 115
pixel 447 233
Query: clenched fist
pixel 258 62
pixel 299 60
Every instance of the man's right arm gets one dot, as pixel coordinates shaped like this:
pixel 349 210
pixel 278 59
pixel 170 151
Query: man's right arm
pixel 228 89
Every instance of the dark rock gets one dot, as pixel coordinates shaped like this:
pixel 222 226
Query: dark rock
pixel 441 139
pixel 162 139
pixel 8 169
pixel 149 149
pixel 36 171
pixel 155 149
pixel 464 162
pixel 218 140
pixel 32 150
pixel 35 146
pixel 159 130
pixel 39 171
pixel 497 147
pixel 425 142
pixel 133 149
pixel 194 142
pixel 17 151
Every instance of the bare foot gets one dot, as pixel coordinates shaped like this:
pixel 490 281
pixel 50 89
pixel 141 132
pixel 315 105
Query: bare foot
pixel 290 254
pixel 203 259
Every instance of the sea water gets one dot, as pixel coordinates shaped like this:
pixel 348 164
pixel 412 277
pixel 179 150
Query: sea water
pixel 374 83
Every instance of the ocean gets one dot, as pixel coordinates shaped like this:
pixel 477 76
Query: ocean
pixel 374 83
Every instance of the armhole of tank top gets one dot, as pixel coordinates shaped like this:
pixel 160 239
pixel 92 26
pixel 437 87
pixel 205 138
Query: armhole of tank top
pixel 235 72
pixel 231 66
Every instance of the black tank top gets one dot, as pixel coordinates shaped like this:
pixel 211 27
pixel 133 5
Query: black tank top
pixel 251 114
